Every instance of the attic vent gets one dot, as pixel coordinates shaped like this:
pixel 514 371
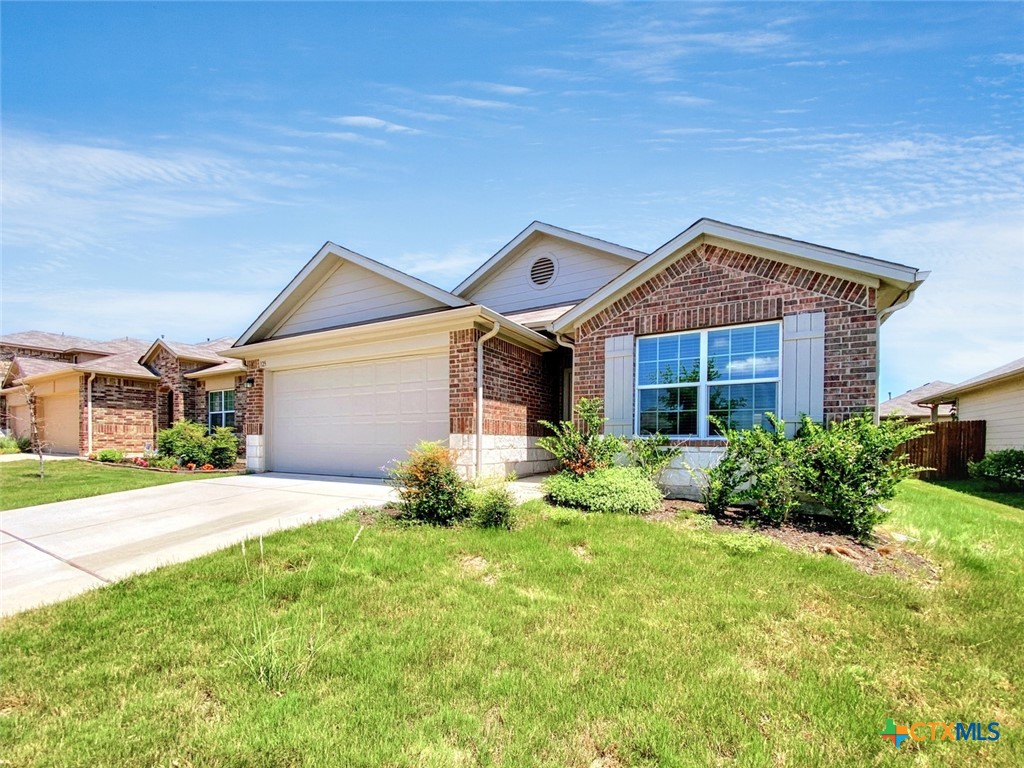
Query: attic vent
pixel 542 271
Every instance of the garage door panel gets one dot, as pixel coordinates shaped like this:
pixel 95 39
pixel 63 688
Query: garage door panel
pixel 354 418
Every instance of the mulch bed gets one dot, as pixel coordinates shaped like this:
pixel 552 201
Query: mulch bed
pixel 816 534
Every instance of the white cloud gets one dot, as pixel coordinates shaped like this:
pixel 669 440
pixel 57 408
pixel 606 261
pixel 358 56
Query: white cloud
pixel 501 88
pixel 464 101
pixel 685 100
pixel 375 123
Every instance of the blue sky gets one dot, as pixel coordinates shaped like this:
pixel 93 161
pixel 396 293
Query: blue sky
pixel 167 168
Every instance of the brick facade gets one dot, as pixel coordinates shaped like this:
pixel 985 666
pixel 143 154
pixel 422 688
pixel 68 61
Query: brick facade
pixel 520 386
pixel 177 399
pixel 249 417
pixel 712 286
pixel 123 414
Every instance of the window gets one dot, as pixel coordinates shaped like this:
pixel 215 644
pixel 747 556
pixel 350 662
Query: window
pixel 221 409
pixel 729 373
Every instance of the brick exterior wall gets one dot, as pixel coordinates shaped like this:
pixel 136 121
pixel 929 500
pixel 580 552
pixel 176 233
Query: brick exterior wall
pixel 171 371
pixel 123 414
pixel 713 286
pixel 249 417
pixel 520 386
pixel 200 405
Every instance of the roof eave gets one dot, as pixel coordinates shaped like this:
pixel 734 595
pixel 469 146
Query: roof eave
pixel 451 319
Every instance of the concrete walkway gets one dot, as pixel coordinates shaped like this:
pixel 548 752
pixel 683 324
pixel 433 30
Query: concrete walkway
pixel 53 551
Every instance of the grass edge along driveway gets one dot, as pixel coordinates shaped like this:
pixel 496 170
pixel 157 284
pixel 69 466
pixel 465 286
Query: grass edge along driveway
pixel 578 640
pixel 21 486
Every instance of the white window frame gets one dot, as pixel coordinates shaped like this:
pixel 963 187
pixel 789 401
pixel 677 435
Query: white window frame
pixel 210 411
pixel 702 386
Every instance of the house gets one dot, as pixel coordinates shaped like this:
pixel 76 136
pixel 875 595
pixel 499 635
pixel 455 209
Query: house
pixel 355 361
pixel 92 395
pixel 996 397
pixel 905 406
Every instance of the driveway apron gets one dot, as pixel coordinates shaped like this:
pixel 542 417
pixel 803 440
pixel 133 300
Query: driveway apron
pixel 53 551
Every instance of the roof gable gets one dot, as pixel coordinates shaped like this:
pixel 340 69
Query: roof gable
pixel 894 282
pixel 617 257
pixel 340 287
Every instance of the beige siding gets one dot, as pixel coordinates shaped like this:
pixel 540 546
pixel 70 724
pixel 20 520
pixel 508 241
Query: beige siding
pixel 580 272
pixel 1002 407
pixel 350 295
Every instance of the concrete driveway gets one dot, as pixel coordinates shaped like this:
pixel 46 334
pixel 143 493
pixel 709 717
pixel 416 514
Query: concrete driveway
pixel 53 551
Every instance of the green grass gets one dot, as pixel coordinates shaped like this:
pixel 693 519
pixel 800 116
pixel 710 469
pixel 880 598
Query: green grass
pixel 574 641
pixel 20 485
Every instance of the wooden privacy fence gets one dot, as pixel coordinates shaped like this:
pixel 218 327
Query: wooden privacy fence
pixel 947 449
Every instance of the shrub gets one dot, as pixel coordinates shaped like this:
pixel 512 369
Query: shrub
pixel 651 453
pixel 109 456
pixel 9 445
pixel 429 487
pixel 769 467
pixel 186 441
pixel 611 489
pixel 163 462
pixel 851 467
pixel 223 448
pixel 1002 469
pixel 24 444
pixel 495 508
pixel 719 484
pixel 582 451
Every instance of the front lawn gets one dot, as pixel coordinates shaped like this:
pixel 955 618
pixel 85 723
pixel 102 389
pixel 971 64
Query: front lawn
pixel 578 640
pixel 20 485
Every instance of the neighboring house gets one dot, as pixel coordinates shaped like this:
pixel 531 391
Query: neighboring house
pixel 906 406
pixel 355 361
pixel 92 395
pixel 997 397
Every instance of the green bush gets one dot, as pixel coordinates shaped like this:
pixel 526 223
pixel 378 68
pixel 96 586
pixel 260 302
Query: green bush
pixel 651 453
pixel 429 486
pixel 718 488
pixel 770 463
pixel 186 442
pixel 223 448
pixel 495 508
pixel 9 445
pixel 109 456
pixel 612 489
pixel 582 451
pixel 851 467
pixel 162 462
pixel 1002 469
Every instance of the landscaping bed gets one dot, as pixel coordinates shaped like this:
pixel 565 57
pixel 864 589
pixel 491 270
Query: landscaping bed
pixel 886 553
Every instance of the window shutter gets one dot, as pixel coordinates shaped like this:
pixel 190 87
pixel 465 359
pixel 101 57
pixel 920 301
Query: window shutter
pixel 618 385
pixel 803 368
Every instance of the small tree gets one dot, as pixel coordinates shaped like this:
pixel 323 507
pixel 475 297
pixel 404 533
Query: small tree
pixel 33 427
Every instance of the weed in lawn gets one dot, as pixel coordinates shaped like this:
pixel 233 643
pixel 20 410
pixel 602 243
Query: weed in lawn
pixel 276 652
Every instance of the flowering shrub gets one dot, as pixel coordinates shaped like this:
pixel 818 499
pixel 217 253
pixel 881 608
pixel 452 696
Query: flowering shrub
pixel 140 462
pixel 207 467
pixel 429 486
pixel 190 467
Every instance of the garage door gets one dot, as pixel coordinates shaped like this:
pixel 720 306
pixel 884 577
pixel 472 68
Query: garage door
pixel 58 422
pixel 354 418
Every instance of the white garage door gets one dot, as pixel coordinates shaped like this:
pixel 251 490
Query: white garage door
pixel 354 418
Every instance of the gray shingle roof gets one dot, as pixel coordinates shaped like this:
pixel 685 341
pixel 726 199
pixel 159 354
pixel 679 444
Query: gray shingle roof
pixel 906 404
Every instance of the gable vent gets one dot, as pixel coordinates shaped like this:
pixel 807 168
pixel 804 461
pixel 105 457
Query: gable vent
pixel 542 271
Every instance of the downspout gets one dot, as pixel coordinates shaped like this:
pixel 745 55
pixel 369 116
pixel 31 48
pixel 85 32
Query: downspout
pixel 882 317
pixel 480 396
pixel 571 346
pixel 88 411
